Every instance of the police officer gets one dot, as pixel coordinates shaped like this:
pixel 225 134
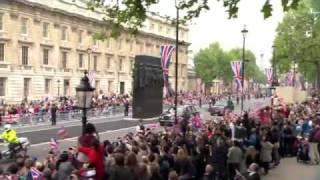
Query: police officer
pixel 10 135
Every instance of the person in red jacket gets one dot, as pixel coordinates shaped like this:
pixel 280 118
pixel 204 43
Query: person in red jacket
pixel 95 155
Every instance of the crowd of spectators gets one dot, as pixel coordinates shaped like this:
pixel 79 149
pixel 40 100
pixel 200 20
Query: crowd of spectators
pixel 236 147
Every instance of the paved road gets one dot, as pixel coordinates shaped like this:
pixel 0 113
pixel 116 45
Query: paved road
pixel 289 169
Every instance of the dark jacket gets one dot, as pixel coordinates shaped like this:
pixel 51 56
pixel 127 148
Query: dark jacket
pixel 254 176
pixel 120 173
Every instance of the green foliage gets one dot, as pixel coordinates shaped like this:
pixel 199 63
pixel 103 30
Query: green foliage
pixel 297 40
pixel 214 63
pixel 132 13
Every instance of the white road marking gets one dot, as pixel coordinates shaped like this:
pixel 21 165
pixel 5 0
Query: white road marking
pixel 75 138
pixel 58 126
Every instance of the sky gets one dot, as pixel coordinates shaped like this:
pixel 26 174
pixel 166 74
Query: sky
pixel 214 26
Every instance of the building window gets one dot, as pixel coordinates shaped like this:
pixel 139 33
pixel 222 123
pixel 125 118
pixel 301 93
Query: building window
pixel 3 86
pixel 182 35
pixel 141 48
pixel 80 60
pixel 108 62
pixel 47 86
pixel 64 57
pixel 109 86
pixel 66 87
pixel 120 44
pixel 80 36
pixel 160 28
pixel 45 56
pixel 64 33
pixel 108 42
pixel 95 62
pixel 95 41
pixel 168 31
pixel 24 26
pixel 131 46
pixel 1 51
pixel 26 86
pixel 24 55
pixel 1 21
pixel 131 64
pixel 151 26
pixel 45 30
pixel 120 64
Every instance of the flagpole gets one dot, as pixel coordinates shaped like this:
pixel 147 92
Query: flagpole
pixel 176 67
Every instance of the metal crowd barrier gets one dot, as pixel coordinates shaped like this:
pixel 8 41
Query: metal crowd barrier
pixel 45 117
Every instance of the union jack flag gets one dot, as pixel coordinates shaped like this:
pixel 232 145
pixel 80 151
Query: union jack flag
pixel 269 73
pixel 237 71
pixel 35 173
pixel 166 52
pixel 92 78
pixel 53 144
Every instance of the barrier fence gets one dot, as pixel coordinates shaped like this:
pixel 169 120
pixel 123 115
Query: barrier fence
pixel 45 117
pixel 42 117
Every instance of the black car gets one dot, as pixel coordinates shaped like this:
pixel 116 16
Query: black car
pixel 167 118
pixel 218 109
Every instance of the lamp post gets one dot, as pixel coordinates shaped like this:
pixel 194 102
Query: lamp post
pixel 244 32
pixel 84 96
pixel 176 65
pixel 58 87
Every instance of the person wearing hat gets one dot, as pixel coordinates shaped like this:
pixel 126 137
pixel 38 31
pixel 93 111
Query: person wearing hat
pixel 10 135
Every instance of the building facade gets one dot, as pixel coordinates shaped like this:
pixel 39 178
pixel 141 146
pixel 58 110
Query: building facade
pixel 46 45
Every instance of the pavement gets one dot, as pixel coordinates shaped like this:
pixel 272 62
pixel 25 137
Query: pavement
pixel 290 169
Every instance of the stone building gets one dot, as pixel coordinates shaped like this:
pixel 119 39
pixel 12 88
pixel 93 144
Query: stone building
pixel 45 46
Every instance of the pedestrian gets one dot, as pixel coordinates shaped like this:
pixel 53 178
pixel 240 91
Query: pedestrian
pixel 314 139
pixel 235 157
pixel 253 173
pixel 266 154
pixel 53 114
pixel 126 107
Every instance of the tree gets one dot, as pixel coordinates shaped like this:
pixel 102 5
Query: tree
pixel 132 13
pixel 211 63
pixel 214 63
pixel 297 40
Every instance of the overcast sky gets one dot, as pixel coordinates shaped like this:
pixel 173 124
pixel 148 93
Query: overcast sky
pixel 214 26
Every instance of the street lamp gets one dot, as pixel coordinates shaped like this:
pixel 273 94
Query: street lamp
pixel 84 96
pixel 244 33
pixel 58 87
pixel 176 65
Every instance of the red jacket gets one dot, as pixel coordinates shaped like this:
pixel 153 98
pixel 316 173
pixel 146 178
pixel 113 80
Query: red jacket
pixel 95 157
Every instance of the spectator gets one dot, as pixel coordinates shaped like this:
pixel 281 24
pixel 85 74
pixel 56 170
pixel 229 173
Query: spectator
pixel 235 156
pixel 253 173
pixel 266 154
pixel 53 114
pixel 64 167
pixel 119 172
pixel 90 134
pixel 95 155
pixel 209 173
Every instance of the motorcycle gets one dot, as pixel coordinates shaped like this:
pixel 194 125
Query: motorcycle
pixel 19 150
